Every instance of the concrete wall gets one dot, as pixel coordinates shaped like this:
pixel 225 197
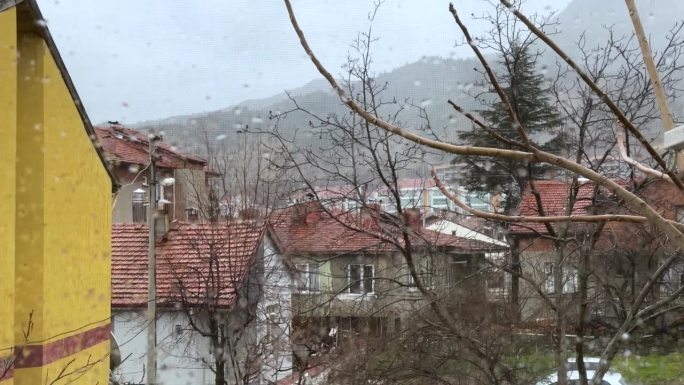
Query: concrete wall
pixel 122 211
pixel 8 159
pixel 393 297
pixel 179 355
pixel 274 317
pixel 190 190
pixel 62 217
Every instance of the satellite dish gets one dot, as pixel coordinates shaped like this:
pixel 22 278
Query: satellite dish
pixel 114 352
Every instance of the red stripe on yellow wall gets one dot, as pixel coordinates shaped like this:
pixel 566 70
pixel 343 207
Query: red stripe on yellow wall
pixel 32 356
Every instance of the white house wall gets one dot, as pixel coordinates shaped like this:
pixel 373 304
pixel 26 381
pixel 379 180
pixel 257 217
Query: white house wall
pixel 275 315
pixel 178 354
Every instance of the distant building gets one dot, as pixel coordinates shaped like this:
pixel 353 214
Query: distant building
pixel 423 194
pixel 352 280
pixel 624 256
pixel 183 198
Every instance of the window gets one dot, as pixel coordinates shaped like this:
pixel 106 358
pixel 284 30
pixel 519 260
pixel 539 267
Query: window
pixel 568 276
pixel 672 280
pixel 440 202
pixel 457 272
pixel 273 318
pixel 679 214
pixel 570 280
pixel 496 282
pixel 192 214
pixel 479 201
pixel 408 202
pixel 549 284
pixel 272 310
pixel 139 207
pixel 360 279
pixel 309 278
pixel 425 274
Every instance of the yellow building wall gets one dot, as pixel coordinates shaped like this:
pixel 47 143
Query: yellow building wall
pixel 61 236
pixel 8 92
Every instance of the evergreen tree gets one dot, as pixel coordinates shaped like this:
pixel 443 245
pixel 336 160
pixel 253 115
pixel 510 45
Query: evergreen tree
pixel 531 100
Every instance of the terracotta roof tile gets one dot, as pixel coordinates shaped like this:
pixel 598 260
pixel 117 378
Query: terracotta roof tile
pixel 183 260
pixel 305 228
pixel 554 198
pixel 122 144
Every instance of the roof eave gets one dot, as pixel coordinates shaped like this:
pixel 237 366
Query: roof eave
pixel 44 32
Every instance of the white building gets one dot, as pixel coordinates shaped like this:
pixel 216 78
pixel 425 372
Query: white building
pixel 248 285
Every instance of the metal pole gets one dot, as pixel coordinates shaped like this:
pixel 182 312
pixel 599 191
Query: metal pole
pixel 151 274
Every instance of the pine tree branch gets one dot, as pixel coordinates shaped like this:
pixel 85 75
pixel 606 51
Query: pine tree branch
pixel 483 126
pixel 515 119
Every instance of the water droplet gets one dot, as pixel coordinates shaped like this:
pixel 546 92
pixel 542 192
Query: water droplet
pixel 417 83
pixel 221 137
pixel 257 120
pixel 237 111
pixel 426 102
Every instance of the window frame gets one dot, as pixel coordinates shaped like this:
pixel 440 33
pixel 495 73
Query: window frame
pixel 427 274
pixel 306 270
pixel 362 279
pixel 569 280
pixel 679 213
pixel 451 282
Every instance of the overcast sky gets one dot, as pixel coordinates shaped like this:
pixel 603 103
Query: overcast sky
pixel 137 60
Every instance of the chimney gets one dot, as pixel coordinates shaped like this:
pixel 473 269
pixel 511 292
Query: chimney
pixel 370 214
pixel 413 219
pixel 313 215
pixel 308 213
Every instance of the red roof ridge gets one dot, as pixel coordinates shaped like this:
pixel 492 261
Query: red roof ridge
pixel 122 144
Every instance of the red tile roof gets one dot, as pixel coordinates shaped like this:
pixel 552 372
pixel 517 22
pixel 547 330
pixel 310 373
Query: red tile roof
pixel 554 198
pixel 322 233
pixel 306 228
pixel 122 144
pixel 183 260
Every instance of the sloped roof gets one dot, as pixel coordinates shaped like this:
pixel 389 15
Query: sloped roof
pixel 322 233
pixel 307 229
pixel 122 144
pixel 183 262
pixel 436 238
pixel 554 199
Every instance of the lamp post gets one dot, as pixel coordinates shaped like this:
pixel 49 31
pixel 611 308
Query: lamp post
pixel 151 368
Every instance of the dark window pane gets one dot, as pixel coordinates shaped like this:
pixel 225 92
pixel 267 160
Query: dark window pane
pixel 355 279
pixel 368 278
